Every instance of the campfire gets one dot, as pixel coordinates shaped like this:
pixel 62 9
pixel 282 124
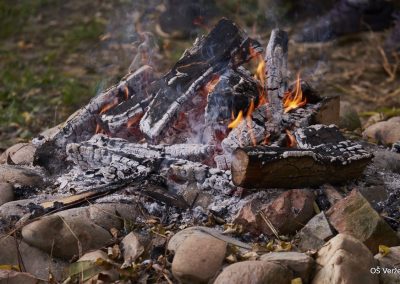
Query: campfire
pixel 208 114
pixel 200 138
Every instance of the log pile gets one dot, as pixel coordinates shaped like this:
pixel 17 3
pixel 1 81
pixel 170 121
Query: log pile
pixel 208 123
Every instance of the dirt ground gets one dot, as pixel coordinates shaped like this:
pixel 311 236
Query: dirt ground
pixel 56 55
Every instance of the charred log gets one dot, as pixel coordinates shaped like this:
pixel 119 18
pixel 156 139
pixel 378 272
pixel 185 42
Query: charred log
pixel 209 55
pixel 83 124
pixel 275 167
pixel 234 92
pixel 276 83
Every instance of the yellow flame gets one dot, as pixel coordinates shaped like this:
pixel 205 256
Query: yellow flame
pixel 294 99
pixel 236 122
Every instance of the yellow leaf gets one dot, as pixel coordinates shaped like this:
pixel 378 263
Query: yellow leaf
pixel 384 250
pixel 9 267
pixel 296 281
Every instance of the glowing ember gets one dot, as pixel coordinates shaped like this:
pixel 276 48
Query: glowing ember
pixel 126 93
pixel 294 99
pixel 109 106
pixel 236 122
pixel 209 87
pixel 291 140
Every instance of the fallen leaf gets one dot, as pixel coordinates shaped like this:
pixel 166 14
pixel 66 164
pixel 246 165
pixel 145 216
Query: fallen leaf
pixel 384 250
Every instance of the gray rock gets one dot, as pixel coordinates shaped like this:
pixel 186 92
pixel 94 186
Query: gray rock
pixel 14 277
pixel 387 160
pixel 349 118
pixel 315 233
pixel 344 259
pixel 17 175
pixel 389 261
pixel 384 132
pixel 19 154
pixel 35 261
pixel 255 272
pixel 353 215
pixel 6 193
pixel 301 264
pixel 198 258
pixel 181 236
pixel 65 236
pixel 113 215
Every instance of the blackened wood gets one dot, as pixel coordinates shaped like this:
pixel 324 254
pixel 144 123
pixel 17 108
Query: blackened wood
pixel 234 92
pixel 82 124
pixel 276 167
pixel 276 73
pixel 208 56
pixel 318 134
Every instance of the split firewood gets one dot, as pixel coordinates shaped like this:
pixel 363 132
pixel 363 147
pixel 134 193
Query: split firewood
pixel 276 73
pixel 278 167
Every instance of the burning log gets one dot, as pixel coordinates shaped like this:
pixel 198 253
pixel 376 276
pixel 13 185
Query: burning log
pixel 209 55
pixel 276 73
pixel 277 167
pixel 83 124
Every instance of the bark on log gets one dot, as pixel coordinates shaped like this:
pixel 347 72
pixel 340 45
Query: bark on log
pixel 209 55
pixel 276 167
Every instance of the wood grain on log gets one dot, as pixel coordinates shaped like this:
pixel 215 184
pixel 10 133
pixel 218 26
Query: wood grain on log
pixel 276 72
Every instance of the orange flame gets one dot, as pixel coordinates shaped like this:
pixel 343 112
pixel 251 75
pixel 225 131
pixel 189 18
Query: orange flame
pixel 291 140
pixel 126 92
pixel 294 99
pixel 109 106
pixel 260 75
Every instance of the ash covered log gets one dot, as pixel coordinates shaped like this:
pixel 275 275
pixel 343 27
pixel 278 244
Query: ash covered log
pixel 276 167
pixel 276 73
pixel 234 92
pixel 82 124
pixel 209 55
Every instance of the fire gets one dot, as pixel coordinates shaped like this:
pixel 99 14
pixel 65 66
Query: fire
pixel 294 99
pixel 291 140
pixel 236 122
pixel 260 75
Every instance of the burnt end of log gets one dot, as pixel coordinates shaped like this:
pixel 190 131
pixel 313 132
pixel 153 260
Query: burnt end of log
pixel 276 72
pixel 235 91
pixel 276 167
pixel 209 55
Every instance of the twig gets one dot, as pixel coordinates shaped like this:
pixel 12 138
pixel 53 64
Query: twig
pixel 270 225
